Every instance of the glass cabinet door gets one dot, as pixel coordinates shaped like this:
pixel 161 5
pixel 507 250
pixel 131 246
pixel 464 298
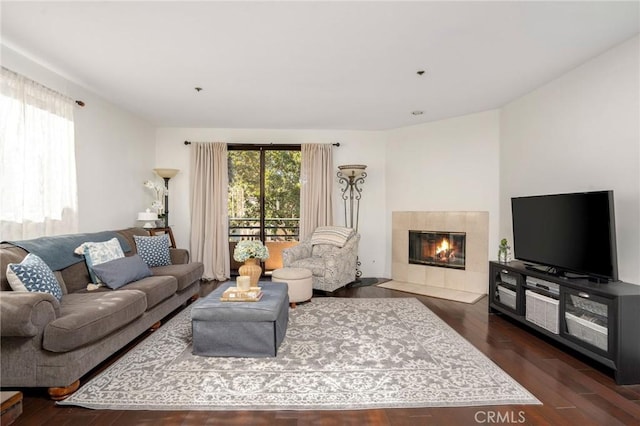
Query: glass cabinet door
pixel 588 319
pixel 505 288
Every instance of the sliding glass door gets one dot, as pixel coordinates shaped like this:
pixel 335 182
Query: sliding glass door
pixel 264 198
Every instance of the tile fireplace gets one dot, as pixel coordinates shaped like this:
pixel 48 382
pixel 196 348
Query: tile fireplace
pixel 447 249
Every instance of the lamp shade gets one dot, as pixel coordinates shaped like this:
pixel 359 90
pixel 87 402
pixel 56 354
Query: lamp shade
pixel 166 173
pixel 149 217
pixel 352 170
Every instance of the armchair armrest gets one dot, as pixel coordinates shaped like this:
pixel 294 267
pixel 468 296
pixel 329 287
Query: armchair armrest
pixel 25 314
pixel 343 261
pixel 300 251
pixel 179 256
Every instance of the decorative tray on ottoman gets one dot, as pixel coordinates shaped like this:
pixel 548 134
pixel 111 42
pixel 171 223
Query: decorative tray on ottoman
pixel 234 294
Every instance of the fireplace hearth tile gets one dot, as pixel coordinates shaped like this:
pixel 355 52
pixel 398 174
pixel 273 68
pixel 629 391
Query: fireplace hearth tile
pixel 435 276
pixel 401 270
pixel 455 280
pixel 400 246
pixel 455 222
pixel 416 274
pixel 401 220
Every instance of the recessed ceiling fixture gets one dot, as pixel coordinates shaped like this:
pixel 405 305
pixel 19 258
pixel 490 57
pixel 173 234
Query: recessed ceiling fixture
pixel 198 89
pixel 417 112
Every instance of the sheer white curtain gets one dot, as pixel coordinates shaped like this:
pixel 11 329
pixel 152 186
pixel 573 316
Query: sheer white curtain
pixel 38 190
pixel 316 178
pixel 209 215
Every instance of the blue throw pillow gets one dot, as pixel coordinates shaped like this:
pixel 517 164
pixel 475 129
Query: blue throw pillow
pixel 32 274
pixel 119 272
pixel 154 250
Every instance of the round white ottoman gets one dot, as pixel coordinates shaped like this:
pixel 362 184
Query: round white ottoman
pixel 299 281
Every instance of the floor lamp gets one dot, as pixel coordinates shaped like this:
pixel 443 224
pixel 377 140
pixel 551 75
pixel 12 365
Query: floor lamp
pixel 352 176
pixel 166 174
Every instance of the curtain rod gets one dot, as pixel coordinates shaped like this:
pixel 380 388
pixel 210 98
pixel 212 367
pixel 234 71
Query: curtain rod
pixel 334 144
pixel 76 101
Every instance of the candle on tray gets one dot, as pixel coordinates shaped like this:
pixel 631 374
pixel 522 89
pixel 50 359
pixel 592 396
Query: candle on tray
pixel 243 282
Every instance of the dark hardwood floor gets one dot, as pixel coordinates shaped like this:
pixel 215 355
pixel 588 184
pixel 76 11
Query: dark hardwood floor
pixel 573 390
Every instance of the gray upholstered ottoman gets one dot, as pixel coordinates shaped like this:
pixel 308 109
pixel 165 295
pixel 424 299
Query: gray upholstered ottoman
pixel 240 329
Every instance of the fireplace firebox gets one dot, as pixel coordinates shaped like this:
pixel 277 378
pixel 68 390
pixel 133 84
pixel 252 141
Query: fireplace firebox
pixel 442 249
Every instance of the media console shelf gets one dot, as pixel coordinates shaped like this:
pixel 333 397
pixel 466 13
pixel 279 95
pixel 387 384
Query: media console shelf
pixel 601 321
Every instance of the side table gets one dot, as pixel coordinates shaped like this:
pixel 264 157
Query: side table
pixel 160 231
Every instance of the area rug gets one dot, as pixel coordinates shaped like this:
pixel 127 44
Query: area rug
pixel 439 292
pixel 338 354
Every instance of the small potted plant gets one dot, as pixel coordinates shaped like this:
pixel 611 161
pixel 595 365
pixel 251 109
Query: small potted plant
pixel 504 251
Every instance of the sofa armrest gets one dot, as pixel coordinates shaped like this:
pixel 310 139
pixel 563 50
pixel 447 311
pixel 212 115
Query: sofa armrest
pixel 179 256
pixel 297 252
pixel 25 314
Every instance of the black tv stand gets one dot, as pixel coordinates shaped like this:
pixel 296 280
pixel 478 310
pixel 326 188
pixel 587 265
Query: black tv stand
pixel 597 320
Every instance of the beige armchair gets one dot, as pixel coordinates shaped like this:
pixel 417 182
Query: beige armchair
pixel 331 254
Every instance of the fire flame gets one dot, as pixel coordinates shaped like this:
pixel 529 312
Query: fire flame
pixel 443 247
pixel 445 251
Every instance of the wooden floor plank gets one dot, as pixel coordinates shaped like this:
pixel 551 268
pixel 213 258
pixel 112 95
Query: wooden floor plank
pixel 574 391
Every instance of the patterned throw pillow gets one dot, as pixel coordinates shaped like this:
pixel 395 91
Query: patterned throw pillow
pixel 154 250
pixel 334 235
pixel 97 253
pixel 32 274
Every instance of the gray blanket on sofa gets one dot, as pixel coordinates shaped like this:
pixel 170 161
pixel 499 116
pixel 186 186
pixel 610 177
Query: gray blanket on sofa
pixel 57 251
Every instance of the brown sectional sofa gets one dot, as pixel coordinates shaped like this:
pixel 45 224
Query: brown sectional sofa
pixel 50 343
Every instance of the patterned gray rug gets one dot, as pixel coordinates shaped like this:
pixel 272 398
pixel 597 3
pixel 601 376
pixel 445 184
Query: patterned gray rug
pixel 338 354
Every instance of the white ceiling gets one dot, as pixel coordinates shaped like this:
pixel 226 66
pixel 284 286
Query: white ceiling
pixel 313 65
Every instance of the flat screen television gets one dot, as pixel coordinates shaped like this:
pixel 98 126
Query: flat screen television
pixel 571 234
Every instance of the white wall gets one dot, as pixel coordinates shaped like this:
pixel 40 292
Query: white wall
pixel 448 165
pixel 580 132
pixel 114 151
pixel 356 147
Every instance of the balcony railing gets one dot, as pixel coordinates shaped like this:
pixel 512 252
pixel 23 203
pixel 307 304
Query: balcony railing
pixel 275 229
pixel 280 233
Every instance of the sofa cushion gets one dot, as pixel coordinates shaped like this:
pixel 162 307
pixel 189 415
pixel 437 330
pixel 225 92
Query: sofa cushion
pixel 88 317
pixel 96 253
pixel 316 265
pixel 129 233
pixel 185 273
pixel 156 289
pixel 119 272
pixel 154 250
pixel 32 274
pixel 76 277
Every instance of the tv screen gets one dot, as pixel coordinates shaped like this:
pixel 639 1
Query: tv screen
pixel 569 232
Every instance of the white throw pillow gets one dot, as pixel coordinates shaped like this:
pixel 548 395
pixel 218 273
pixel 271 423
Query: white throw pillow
pixel 333 235
pixel 100 252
